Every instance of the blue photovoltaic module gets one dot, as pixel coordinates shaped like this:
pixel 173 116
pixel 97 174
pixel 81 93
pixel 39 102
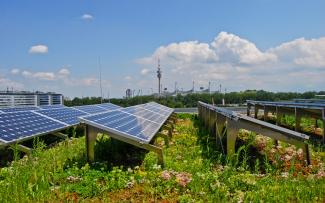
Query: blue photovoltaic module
pixel 20 125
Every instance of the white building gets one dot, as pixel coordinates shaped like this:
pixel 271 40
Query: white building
pixel 22 98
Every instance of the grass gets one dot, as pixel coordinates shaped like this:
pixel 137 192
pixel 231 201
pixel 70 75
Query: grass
pixel 195 171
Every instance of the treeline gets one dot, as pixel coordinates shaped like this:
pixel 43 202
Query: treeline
pixel 191 100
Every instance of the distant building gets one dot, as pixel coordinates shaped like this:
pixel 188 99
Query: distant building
pixel 24 98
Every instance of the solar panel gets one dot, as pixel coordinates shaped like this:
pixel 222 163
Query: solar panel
pixel 136 122
pixel 66 115
pixel 19 125
pixel 156 109
pixel 52 106
pixel 160 107
pixel 90 109
pixel 17 109
pixel 124 124
pixel 145 113
pixel 109 106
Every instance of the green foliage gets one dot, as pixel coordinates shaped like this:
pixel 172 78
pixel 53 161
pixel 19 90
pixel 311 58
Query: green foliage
pixel 190 100
pixel 195 171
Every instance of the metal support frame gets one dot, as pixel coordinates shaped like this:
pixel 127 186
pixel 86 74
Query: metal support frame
pixel 221 121
pixel 22 148
pixel 91 136
pixel 296 111
pixel 60 135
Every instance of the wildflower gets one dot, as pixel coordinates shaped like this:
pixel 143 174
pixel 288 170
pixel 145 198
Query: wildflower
pixel 286 157
pixel 156 167
pixel 73 179
pixel 285 175
pixel 166 175
pixel 129 184
pixel 320 174
pixel 136 168
pixel 300 154
pixel 130 170
pixel 183 178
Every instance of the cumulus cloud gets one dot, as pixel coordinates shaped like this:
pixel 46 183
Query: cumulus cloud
pixel 38 49
pixel 6 82
pixel 308 53
pixel 145 71
pixel 63 75
pixel 87 17
pixel 128 77
pixel 239 64
pixel 231 48
pixel 39 75
pixel 15 71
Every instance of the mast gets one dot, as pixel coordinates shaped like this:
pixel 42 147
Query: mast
pixel 159 77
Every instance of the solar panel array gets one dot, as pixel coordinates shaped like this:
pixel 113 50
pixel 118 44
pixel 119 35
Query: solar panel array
pixel 139 123
pixel 289 104
pixel 20 123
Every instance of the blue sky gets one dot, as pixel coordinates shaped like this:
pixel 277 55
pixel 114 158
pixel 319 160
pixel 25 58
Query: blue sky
pixel 272 45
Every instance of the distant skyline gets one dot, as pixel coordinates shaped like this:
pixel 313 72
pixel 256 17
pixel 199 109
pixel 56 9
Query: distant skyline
pixel 257 44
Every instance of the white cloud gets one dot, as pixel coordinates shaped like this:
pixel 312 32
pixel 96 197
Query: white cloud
pixel 87 17
pixel 63 75
pixel 237 63
pixel 231 48
pixel 309 53
pixel 38 49
pixel 145 71
pixel 15 71
pixel 8 83
pixel 39 75
pixel 128 77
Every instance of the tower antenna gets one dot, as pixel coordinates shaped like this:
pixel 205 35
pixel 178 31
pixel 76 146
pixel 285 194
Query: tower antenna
pixel 159 77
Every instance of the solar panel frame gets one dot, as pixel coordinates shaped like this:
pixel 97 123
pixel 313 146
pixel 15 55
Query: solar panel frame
pixel 21 121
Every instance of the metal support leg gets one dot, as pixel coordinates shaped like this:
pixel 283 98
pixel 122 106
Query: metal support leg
pixel 307 153
pixel 232 133
pixel 91 135
pixel 248 110
pixel 266 112
pixel 323 131
pixel 298 120
pixel 255 111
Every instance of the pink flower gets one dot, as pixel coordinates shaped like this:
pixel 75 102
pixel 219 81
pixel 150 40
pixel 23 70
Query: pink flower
pixel 166 175
pixel 183 178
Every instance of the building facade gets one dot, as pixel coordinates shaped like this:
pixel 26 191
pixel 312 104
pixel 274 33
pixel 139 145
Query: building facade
pixel 21 98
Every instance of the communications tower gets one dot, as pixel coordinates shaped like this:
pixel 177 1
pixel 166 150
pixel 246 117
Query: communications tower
pixel 159 77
